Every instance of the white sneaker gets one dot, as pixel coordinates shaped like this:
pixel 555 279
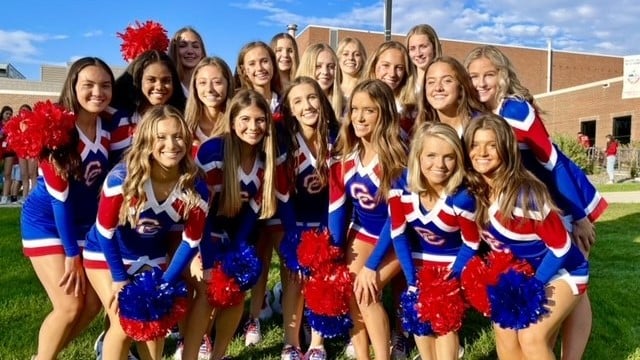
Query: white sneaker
pixel 4 200
pixel 350 351
pixel 177 355
pixel 266 313
pixel 252 334
pixel 276 304
pixel 97 346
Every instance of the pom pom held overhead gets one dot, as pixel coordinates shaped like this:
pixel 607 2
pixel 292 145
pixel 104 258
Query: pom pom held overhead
pixel 142 37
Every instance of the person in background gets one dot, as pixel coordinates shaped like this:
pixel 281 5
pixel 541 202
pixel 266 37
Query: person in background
pixel 352 56
pixel 287 57
pixel 611 151
pixel 8 157
pixel 583 140
pixel 28 168
pixel 186 49
pixel 423 45
pixel 319 62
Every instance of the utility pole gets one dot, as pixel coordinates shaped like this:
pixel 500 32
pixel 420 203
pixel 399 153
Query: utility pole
pixel 387 20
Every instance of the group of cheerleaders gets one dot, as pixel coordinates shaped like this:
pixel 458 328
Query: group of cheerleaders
pixel 409 158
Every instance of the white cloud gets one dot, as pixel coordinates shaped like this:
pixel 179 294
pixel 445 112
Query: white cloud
pixel 588 25
pixel 21 45
pixel 93 33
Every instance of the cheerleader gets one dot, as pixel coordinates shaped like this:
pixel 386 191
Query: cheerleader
pixel 155 189
pixel 517 215
pixel 369 156
pixel 351 59
pixel 499 88
pixel 287 57
pixel 56 216
pixel 186 49
pixel 150 79
pixel 311 129
pixel 423 45
pixel 241 171
pixel 427 210
pixel 320 63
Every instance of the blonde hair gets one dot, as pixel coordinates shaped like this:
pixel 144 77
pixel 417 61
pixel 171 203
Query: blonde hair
pixel 327 123
pixel 513 184
pixel 308 68
pixel 405 94
pixel 139 162
pixel 508 82
pixel 174 48
pixel 363 52
pixel 468 102
pixel 241 79
pixel 391 150
pixel 416 180
pixel 230 199
pixel 432 36
pixel 195 109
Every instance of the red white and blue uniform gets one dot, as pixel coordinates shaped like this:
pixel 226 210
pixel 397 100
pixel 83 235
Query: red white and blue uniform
pixel 567 183
pixel 311 199
pixel 58 213
pixel 124 249
pixel 240 228
pixel 354 209
pixel 431 237
pixel 123 125
pixel 538 236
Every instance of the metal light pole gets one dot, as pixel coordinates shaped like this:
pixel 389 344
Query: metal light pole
pixel 387 20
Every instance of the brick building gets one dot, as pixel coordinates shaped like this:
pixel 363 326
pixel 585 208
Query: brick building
pixel 577 91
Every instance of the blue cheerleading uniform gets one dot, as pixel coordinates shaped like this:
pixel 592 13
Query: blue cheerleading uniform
pixel 434 236
pixel 123 125
pixel 58 213
pixel 569 186
pixel 538 236
pixel 124 249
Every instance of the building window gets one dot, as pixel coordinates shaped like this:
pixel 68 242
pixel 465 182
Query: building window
pixel 589 128
pixel 622 129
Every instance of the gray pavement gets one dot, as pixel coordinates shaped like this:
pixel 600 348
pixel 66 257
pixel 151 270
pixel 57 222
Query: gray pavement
pixel 622 197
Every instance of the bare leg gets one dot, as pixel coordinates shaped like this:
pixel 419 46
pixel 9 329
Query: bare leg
pixel 226 323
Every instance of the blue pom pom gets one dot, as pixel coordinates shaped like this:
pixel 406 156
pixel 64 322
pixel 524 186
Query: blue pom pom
pixel 148 297
pixel 289 252
pixel 517 300
pixel 243 265
pixel 409 315
pixel 329 326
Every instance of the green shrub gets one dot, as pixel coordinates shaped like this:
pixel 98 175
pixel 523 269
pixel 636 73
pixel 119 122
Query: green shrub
pixel 574 151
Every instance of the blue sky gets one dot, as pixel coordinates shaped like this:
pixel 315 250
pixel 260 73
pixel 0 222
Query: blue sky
pixel 31 35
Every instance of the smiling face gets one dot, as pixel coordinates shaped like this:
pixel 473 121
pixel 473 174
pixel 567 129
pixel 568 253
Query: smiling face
pixel 157 84
pixel 485 76
pixel 483 153
pixel 257 66
pixel 305 105
pixel 169 147
pixel 211 86
pixel 189 49
pixel 365 115
pixel 391 68
pixel 325 70
pixel 437 162
pixel 284 54
pixel 6 115
pixel 421 50
pixel 93 89
pixel 442 89
pixel 351 60
pixel 250 125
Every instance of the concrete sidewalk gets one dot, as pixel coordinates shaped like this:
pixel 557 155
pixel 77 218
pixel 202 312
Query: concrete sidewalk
pixel 622 197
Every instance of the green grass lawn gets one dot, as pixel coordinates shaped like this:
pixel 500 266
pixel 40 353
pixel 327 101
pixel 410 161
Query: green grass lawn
pixel 618 187
pixel 615 280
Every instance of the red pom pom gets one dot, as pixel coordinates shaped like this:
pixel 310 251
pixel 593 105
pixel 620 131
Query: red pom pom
pixel 315 250
pixel 48 126
pixel 223 291
pixel 142 37
pixel 328 291
pixel 440 300
pixel 474 284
